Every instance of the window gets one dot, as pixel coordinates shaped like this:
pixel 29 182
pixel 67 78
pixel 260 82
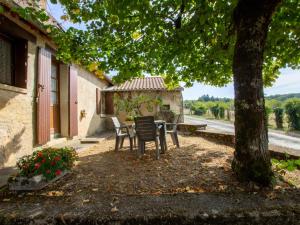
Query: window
pixel 13 61
pixel 165 107
pixel 6 62
pixel 54 83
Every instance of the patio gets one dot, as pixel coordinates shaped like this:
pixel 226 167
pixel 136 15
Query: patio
pixel 192 183
pixel 197 166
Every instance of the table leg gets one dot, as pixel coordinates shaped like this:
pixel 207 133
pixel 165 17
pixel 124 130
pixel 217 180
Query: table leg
pixel 163 141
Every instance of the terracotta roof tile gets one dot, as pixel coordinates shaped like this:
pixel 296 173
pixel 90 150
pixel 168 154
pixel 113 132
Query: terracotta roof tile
pixel 142 84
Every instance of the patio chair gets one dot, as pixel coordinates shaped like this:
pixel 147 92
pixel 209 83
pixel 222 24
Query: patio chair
pixel 122 131
pixel 172 130
pixel 146 130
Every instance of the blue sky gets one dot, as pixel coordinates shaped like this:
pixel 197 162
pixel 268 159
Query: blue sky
pixel 288 82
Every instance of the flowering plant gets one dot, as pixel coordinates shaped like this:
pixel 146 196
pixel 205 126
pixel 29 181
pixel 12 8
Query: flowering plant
pixel 49 162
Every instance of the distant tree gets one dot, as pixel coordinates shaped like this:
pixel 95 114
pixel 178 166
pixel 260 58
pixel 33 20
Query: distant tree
pixel 292 109
pixel 283 97
pixel 278 111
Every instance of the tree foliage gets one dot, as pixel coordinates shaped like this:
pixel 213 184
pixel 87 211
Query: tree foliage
pixel 185 40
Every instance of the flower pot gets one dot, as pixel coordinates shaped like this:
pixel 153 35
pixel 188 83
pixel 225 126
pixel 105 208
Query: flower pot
pixel 35 183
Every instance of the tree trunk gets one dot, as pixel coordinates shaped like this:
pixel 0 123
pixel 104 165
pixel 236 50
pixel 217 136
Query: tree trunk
pixel 251 158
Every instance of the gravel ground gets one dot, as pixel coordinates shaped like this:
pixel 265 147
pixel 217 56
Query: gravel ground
pixel 192 183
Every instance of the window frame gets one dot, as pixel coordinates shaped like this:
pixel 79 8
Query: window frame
pixel 11 41
pixel 19 48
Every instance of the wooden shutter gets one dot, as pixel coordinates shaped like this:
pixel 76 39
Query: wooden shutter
pixel 73 126
pixel 109 103
pixel 98 101
pixel 43 96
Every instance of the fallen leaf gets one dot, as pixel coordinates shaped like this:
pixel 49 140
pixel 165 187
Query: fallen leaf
pixel 55 193
pixel 271 196
pixel 85 201
pixel 187 188
pixel 95 189
pixel 6 200
pixel 114 209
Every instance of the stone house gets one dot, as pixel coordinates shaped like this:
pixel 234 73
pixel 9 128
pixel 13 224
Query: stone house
pixel 153 87
pixel 40 101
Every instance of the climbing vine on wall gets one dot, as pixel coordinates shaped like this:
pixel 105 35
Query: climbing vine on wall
pixel 132 106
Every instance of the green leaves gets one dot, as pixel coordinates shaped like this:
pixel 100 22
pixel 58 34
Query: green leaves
pixel 137 37
pixel 1 9
pixel 289 164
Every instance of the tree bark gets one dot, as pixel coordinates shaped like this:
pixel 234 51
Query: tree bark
pixel 251 158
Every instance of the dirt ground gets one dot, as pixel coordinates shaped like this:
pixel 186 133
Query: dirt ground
pixel 197 166
pixel 193 184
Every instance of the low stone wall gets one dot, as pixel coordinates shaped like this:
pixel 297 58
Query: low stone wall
pixel 229 140
pixel 188 209
pixel 200 130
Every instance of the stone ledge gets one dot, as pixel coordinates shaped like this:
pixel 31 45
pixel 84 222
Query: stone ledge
pixel 6 87
pixel 229 140
pixel 202 208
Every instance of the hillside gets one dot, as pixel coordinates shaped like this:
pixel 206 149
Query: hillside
pixel 283 97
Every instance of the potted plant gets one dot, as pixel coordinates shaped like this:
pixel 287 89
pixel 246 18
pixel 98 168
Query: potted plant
pixel 42 167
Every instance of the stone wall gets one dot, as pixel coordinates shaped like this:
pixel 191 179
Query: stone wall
pixel 18 105
pixel 91 122
pixel 172 98
pixel 17 114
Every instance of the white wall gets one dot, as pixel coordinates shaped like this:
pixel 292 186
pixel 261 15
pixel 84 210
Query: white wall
pixel 92 122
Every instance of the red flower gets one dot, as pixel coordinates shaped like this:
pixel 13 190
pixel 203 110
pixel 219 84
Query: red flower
pixel 40 154
pixel 57 172
pixel 53 163
pixel 37 165
pixel 43 160
pixel 56 158
pixel 48 171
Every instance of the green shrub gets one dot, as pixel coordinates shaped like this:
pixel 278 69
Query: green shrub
pixel 201 110
pixel 215 110
pixel 292 109
pixel 221 112
pixel 288 164
pixel 50 162
pixel 278 117
pixel 167 115
pixel 268 111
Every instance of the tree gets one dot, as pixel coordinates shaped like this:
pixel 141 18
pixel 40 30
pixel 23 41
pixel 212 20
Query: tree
pixel 203 41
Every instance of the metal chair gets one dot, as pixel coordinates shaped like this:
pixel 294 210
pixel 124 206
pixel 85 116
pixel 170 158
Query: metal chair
pixel 122 131
pixel 146 130
pixel 172 130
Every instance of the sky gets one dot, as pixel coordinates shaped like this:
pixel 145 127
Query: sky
pixel 288 81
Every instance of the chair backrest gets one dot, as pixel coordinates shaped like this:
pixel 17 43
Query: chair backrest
pixel 145 128
pixel 117 124
pixel 176 121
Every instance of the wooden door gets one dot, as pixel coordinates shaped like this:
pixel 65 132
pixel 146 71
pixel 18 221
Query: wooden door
pixel 73 114
pixel 55 101
pixel 43 96
pixel 109 103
